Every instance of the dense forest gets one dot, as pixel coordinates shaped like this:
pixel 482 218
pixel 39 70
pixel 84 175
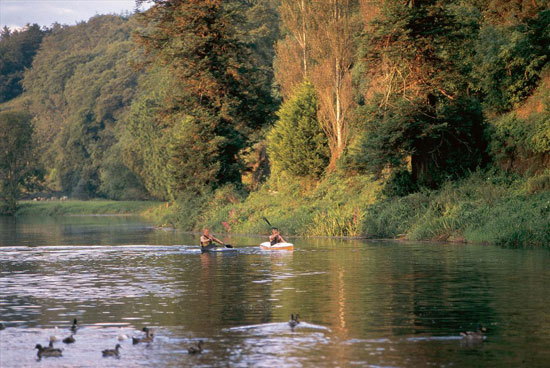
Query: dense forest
pixel 335 117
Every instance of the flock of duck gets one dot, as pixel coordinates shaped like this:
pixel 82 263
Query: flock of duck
pixel 51 351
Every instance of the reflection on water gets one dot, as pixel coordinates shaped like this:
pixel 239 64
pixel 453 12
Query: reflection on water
pixel 362 303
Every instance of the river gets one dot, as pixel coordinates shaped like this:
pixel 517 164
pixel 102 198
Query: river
pixel 361 303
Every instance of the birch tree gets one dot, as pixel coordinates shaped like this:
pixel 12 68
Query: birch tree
pixel 333 49
pixel 293 52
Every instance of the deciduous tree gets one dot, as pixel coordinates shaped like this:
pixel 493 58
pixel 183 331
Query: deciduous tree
pixel 18 165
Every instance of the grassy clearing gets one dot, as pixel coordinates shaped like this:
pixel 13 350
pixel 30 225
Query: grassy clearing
pixel 93 207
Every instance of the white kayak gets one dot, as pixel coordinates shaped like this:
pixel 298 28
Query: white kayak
pixel 278 246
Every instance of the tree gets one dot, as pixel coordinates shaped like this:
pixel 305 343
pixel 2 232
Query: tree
pixel 18 168
pixel 79 88
pixel 445 141
pixel 17 51
pixel 420 111
pixel 333 49
pixel 320 45
pixel 221 97
pixel 297 144
pixel 293 52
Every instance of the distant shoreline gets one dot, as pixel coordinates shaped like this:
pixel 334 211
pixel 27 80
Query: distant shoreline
pixel 95 207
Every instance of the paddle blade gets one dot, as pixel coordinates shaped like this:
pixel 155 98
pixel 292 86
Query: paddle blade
pixel 266 220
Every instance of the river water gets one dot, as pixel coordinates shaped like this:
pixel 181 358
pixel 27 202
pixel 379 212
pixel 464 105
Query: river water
pixel 361 303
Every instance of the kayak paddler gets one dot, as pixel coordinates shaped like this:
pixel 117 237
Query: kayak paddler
pixel 275 237
pixel 207 241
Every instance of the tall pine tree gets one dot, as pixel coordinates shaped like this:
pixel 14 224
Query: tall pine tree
pixel 221 97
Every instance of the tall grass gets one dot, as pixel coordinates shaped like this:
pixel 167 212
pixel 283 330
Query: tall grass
pixel 333 207
pixel 487 207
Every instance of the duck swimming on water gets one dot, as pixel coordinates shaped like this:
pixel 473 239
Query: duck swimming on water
pixel 195 349
pixel 294 320
pixel 149 334
pixel 475 335
pixel 69 340
pixel 112 352
pixel 122 336
pixel 74 327
pixel 54 337
pixel 47 352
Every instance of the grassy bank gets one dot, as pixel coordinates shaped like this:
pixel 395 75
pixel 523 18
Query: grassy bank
pixel 486 207
pixel 92 207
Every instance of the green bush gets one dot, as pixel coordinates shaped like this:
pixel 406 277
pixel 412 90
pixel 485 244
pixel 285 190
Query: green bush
pixel 297 144
pixel 538 183
pixel 399 184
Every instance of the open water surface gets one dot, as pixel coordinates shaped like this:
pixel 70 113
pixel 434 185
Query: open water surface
pixel 362 303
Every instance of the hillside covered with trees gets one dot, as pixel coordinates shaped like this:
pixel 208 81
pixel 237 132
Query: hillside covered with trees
pixel 420 119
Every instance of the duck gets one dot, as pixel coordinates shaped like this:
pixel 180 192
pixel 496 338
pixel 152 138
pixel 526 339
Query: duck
pixel 54 337
pixel 112 352
pixel 47 352
pixel 69 340
pixel 477 335
pixel 74 327
pixel 122 336
pixel 294 320
pixel 196 349
pixel 149 334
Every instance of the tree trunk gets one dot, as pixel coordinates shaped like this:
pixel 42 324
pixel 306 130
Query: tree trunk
pixel 305 39
pixel 420 164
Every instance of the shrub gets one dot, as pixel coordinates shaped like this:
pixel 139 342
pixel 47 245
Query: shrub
pixel 297 144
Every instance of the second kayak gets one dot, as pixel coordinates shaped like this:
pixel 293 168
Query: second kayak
pixel 278 246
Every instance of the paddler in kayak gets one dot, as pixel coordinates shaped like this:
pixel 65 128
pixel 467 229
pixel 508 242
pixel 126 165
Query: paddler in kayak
pixel 207 241
pixel 275 237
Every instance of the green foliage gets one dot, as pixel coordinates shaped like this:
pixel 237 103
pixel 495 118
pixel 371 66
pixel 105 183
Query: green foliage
pixel 487 207
pixel 221 98
pixel 425 118
pixel 399 184
pixel 297 144
pixel 515 222
pixel 394 217
pixel 538 183
pixel 520 144
pixel 17 51
pixel 146 137
pixel 118 181
pixel 510 58
pixel 79 87
pixel 18 169
pixel 445 141
pixel 334 207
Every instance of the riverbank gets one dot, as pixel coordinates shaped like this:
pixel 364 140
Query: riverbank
pixel 92 207
pixel 486 208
